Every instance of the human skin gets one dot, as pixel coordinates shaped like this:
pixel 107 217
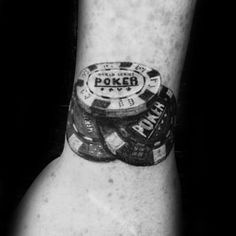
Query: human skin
pixel 74 196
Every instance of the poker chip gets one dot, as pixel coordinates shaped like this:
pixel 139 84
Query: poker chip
pixel 83 137
pixel 117 89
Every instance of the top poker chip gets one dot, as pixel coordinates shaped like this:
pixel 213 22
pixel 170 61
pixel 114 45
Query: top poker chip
pixel 117 89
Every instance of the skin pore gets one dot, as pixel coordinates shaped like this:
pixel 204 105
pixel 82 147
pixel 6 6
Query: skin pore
pixel 74 196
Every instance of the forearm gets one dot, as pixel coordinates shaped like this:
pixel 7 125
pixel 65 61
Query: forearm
pixel 129 58
pixel 147 34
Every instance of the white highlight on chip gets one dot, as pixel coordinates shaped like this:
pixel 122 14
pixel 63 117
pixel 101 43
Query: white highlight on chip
pixel 114 142
pixel 154 84
pixel 86 96
pixel 169 93
pixel 159 153
pixel 75 128
pixel 75 143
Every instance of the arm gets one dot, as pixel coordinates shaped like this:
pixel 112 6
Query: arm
pixel 111 194
pixel 154 34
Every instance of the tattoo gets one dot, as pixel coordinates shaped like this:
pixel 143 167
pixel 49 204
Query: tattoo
pixel 120 110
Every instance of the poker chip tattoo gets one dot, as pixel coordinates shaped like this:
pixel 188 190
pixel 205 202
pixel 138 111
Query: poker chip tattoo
pixel 121 111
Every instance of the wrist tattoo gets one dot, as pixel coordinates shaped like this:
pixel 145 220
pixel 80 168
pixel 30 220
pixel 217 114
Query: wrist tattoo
pixel 120 110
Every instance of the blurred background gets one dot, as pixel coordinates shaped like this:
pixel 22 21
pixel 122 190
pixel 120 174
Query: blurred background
pixel 37 43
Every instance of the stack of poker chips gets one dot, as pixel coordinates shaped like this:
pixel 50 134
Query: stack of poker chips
pixel 133 123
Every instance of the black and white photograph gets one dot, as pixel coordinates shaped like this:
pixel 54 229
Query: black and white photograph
pixel 104 117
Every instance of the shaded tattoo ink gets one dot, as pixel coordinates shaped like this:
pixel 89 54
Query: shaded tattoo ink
pixel 121 111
